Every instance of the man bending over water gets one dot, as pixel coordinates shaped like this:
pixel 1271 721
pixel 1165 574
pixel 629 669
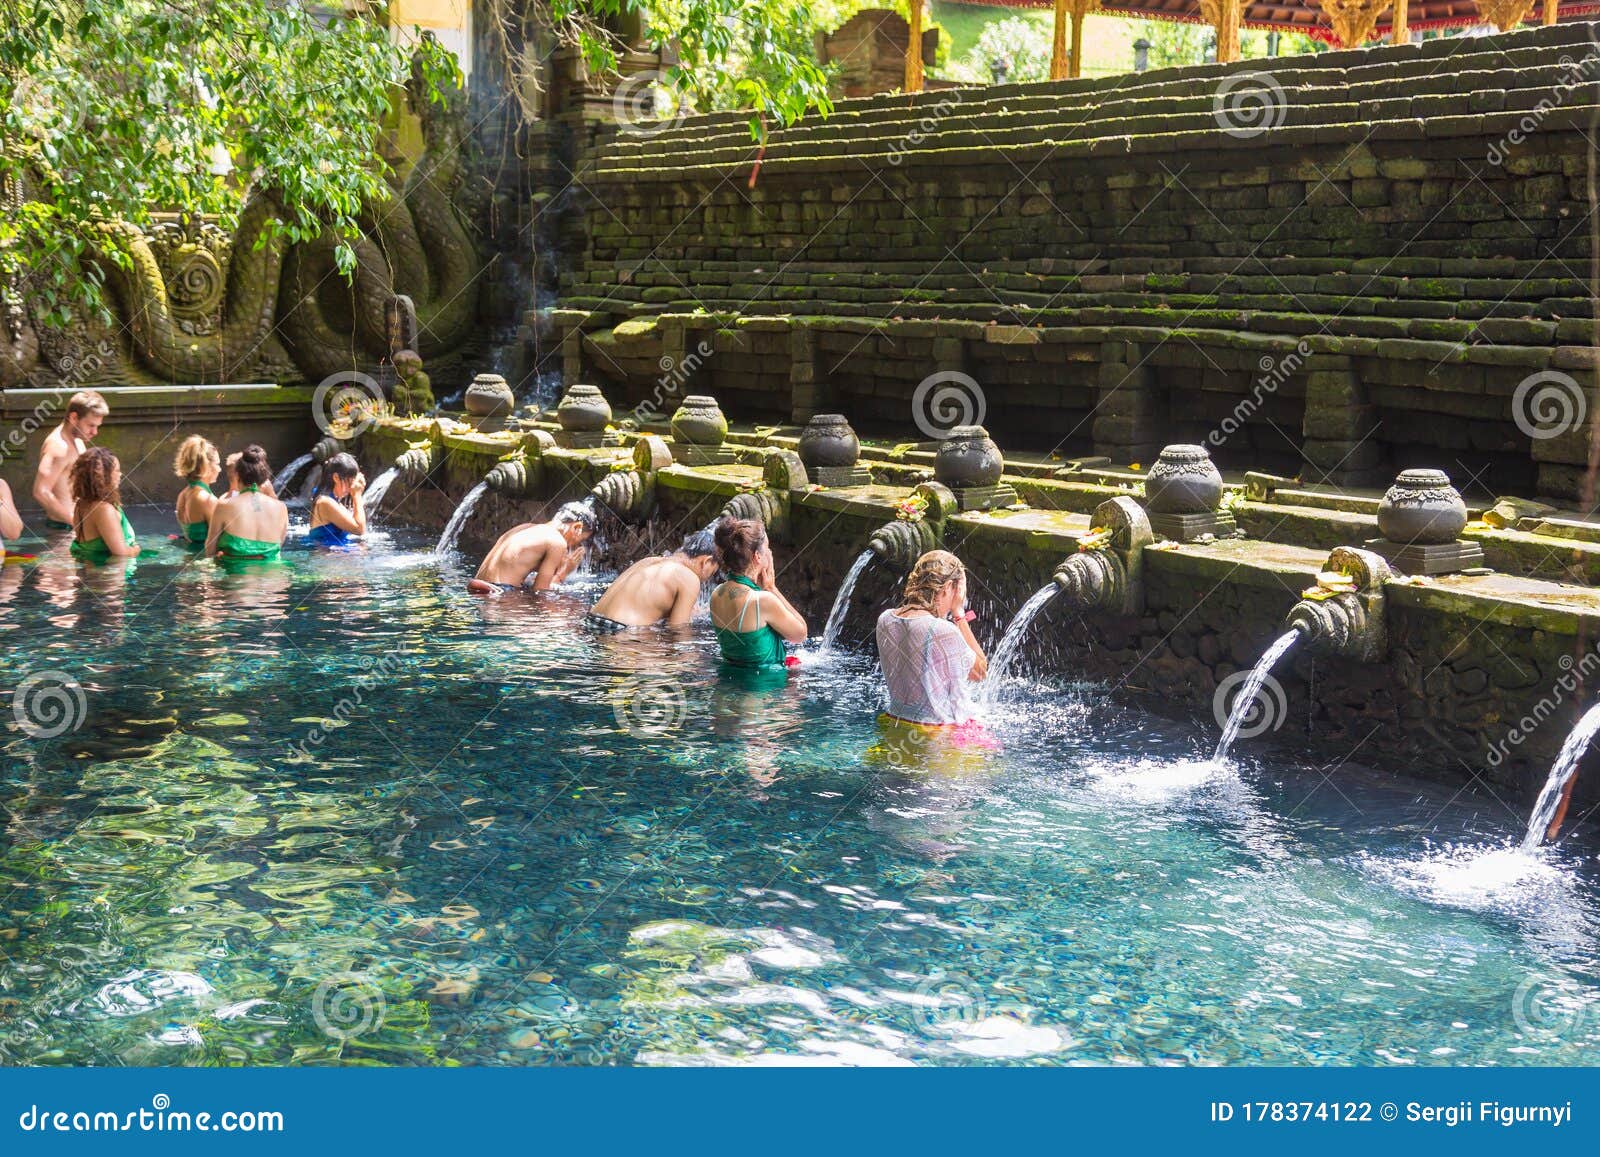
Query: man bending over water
pixel 536 555
pixel 52 485
pixel 660 589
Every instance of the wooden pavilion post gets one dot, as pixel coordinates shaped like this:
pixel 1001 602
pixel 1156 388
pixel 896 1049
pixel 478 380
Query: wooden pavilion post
pixel 1551 10
pixel 914 50
pixel 1058 45
pixel 1229 12
pixel 1400 33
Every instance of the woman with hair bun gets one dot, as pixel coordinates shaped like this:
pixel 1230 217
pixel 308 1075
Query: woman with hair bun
pixel 100 529
pixel 248 526
pixel 753 620
pixel 927 648
pixel 198 463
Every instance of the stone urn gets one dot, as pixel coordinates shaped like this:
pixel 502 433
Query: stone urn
pixel 1422 509
pixel 489 397
pixel 584 410
pixel 828 441
pixel 968 458
pixel 1183 480
pixel 699 421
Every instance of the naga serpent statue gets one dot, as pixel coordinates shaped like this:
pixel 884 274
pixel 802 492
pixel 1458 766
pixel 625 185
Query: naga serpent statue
pixel 196 306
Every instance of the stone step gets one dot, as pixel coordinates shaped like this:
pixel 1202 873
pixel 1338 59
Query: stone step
pixel 1417 62
pixel 1479 92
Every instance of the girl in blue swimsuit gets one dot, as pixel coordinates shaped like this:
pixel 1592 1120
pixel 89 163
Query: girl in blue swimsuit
pixel 338 505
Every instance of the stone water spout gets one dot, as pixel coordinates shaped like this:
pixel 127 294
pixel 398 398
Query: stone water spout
pixel 520 475
pixel 1343 614
pixel 631 494
pixel 1109 576
pixel 327 448
pixel 416 463
pixel 900 543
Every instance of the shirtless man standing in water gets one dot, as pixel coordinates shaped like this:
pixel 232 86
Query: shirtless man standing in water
pixel 536 555
pixel 663 589
pixel 52 487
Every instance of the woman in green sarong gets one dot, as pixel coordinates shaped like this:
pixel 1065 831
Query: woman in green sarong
pixel 248 526
pixel 100 529
pixel 753 620
pixel 198 463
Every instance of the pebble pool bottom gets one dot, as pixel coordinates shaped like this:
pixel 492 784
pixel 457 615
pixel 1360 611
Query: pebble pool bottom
pixel 340 812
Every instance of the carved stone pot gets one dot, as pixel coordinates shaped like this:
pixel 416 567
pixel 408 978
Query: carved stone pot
pixel 1422 508
pixel 699 421
pixel 584 410
pixel 968 458
pixel 829 441
pixel 489 397
pixel 1183 480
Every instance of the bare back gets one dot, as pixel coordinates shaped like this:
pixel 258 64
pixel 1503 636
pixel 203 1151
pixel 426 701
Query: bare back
pixel 521 551
pixel 649 591
pixel 248 514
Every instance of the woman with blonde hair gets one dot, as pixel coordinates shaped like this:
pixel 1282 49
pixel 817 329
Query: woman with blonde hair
pixel 100 529
pixel 927 648
pixel 198 463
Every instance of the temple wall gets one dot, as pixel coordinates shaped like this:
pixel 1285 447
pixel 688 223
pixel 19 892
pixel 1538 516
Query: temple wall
pixel 1119 264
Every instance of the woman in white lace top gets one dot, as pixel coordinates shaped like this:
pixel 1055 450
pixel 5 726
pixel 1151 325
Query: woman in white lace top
pixel 927 648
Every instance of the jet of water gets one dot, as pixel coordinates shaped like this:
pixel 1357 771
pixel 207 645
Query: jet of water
pixel 1566 766
pixel 1011 642
pixel 841 601
pixel 1244 703
pixel 380 487
pixel 289 473
pixel 458 520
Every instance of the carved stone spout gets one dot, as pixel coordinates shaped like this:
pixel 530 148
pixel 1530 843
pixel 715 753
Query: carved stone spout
pixel 900 544
pixel 1109 577
pixel 626 493
pixel 417 463
pixel 327 448
pixel 1344 615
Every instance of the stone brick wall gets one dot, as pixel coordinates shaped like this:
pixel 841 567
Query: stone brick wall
pixel 1125 262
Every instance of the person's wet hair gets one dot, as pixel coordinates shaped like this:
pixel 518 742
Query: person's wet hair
pixel 738 541
pixel 194 456
pixel 578 512
pixel 338 466
pixel 931 574
pixel 700 544
pixel 252 468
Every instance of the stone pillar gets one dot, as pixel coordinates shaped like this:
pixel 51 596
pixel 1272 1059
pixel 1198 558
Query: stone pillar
pixel 1337 424
pixel 1130 413
pixel 572 354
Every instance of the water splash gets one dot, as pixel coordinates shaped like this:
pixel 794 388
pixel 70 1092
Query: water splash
pixel 1245 705
pixel 841 601
pixel 289 473
pixel 458 520
pixel 1011 642
pixel 1566 766
pixel 380 487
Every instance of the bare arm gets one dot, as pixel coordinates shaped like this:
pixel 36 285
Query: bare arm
pixel 547 572
pixel 218 523
pixel 10 520
pixel 353 520
pixel 684 599
pixel 573 560
pixel 51 463
pixel 780 615
pixel 110 528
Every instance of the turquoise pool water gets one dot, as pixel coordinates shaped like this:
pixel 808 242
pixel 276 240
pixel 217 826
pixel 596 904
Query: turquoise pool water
pixel 520 843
